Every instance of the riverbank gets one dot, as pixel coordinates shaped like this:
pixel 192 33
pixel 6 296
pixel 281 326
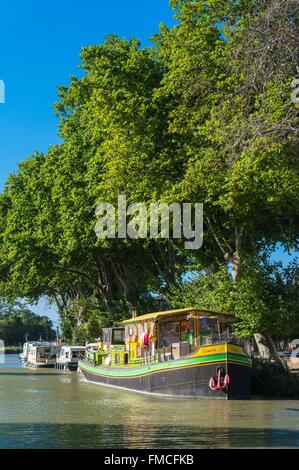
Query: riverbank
pixel 273 380
pixel 13 349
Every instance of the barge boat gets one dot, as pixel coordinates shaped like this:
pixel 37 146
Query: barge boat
pixel 188 353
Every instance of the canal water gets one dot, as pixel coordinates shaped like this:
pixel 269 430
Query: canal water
pixel 50 409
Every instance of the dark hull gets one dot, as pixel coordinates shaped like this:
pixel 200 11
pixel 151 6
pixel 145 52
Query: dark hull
pixel 185 382
pixel 39 366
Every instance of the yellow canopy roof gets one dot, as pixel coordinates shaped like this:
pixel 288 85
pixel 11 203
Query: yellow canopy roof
pixel 170 313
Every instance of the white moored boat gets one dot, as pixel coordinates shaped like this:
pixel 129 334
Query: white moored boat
pixel 24 353
pixel 69 357
pixel 42 355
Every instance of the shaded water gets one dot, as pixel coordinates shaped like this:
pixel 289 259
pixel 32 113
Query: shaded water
pixel 50 409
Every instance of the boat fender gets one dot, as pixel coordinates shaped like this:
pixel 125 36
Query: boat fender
pixel 108 360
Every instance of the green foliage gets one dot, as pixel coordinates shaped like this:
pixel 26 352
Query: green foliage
pixel 204 115
pixel 232 110
pixel 18 324
pixel 83 321
pixel 274 380
pixel 265 299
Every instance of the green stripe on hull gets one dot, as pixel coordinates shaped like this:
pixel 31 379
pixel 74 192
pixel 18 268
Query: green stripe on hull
pixel 165 366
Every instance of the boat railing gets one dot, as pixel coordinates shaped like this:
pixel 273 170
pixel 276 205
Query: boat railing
pixel 149 356
pixel 166 353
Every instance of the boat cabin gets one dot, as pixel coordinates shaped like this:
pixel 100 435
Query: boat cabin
pixel 113 339
pixel 160 337
pixel 173 334
pixel 26 346
pixel 114 336
pixel 69 357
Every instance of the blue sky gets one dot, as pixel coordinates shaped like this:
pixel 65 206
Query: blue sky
pixel 40 46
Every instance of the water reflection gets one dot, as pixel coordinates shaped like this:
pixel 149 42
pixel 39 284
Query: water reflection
pixel 142 437
pixel 46 409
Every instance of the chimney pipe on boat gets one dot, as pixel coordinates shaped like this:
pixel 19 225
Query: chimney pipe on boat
pixel 133 312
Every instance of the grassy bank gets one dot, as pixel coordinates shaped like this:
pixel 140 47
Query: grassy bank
pixel 13 349
pixel 274 380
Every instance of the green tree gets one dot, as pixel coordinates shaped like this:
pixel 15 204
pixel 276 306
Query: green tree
pixel 204 115
pixel 229 66
pixel 265 299
pixel 18 324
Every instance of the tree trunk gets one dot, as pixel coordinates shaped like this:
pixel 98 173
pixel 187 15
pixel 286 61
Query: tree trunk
pixel 235 262
pixel 164 258
pixel 265 346
pixel 125 277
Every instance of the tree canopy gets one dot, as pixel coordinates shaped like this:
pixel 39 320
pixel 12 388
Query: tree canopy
pixel 18 324
pixel 203 115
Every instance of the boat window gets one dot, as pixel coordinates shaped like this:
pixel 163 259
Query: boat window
pixel 116 358
pixel 107 335
pixel 133 333
pixel 118 335
pixel 127 333
pixel 126 358
pixel 187 331
pixel 152 328
pixel 169 333
pixel 208 330
pixel 139 330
